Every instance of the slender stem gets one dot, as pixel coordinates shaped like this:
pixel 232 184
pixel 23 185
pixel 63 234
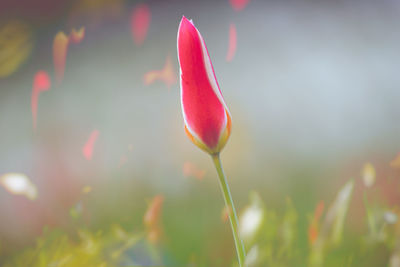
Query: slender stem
pixel 230 209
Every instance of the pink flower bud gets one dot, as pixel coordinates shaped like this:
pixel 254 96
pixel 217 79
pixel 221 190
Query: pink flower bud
pixel 206 116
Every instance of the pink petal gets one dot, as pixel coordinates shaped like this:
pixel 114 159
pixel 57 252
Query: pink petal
pixel 204 111
pixel 232 43
pixel 87 150
pixel 140 23
pixel 41 83
pixel 238 5
pixel 206 117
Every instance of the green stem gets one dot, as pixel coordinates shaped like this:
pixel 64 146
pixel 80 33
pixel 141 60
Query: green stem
pixel 230 209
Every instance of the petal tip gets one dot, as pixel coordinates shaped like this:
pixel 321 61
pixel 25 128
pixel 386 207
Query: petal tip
pixel 185 22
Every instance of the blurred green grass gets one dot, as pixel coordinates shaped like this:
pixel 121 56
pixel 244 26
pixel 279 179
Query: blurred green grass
pixel 197 236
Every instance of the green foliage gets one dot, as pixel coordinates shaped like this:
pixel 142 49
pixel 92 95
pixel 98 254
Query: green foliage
pixel 271 237
pixel 58 249
pixel 275 244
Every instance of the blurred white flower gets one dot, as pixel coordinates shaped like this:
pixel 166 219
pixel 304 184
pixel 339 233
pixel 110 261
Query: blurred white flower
pixel 252 257
pixel 390 217
pixel 337 212
pixel 251 218
pixel 19 184
pixel 394 261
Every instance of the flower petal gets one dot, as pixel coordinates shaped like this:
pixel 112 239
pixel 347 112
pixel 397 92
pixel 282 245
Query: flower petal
pixel 203 107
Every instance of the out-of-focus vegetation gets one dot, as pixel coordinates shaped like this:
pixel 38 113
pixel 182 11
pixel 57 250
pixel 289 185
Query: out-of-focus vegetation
pixel 272 238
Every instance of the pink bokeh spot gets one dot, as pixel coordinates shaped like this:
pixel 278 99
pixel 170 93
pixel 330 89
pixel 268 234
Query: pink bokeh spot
pixel 88 148
pixel 140 22
pixel 239 5
pixel 41 83
pixel 232 43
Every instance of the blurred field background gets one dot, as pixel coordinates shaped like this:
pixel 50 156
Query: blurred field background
pixel 313 89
